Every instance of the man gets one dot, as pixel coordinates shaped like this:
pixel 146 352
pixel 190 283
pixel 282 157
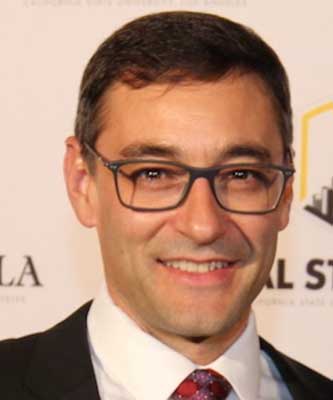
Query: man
pixel 182 161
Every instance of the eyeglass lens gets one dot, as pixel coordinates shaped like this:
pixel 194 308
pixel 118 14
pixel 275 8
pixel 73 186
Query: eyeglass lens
pixel 156 186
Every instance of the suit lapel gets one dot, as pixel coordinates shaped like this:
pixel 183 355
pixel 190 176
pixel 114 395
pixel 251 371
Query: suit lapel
pixel 84 391
pixel 61 367
pixel 302 382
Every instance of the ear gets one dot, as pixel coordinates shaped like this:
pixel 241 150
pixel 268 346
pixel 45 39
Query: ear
pixel 285 204
pixel 80 183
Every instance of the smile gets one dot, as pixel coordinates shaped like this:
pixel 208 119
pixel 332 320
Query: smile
pixel 197 267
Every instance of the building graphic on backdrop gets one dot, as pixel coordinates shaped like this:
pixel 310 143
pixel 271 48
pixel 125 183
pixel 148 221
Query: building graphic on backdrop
pixel 321 203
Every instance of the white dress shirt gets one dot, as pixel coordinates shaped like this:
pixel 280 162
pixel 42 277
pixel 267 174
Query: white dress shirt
pixel 130 364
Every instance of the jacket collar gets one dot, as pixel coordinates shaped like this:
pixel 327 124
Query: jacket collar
pixel 61 368
pixel 302 382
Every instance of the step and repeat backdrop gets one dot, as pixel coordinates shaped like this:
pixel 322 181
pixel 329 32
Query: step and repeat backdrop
pixel 49 264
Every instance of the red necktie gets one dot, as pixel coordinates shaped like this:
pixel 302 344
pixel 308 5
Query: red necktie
pixel 202 384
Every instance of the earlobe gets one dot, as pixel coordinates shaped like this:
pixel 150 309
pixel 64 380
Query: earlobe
pixel 80 184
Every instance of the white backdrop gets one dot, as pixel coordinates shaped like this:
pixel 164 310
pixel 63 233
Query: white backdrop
pixel 49 264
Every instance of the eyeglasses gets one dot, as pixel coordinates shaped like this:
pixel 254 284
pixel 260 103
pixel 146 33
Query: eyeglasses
pixel 151 185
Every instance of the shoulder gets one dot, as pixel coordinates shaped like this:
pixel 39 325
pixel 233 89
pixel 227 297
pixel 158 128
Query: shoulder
pixel 15 356
pixel 19 356
pixel 18 351
pixel 298 377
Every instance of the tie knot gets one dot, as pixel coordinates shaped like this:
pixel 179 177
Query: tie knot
pixel 202 384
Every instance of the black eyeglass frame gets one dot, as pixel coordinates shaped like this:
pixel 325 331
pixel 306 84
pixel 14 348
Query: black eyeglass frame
pixel 195 173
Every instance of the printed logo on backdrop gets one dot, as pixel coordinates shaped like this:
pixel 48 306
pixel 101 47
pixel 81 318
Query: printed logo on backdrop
pixel 316 190
pixel 315 276
pixel 17 277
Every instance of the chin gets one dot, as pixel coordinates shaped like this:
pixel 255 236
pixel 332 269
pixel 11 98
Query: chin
pixel 200 329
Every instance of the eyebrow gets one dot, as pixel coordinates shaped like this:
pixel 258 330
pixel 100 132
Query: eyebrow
pixel 253 150
pixel 138 149
pixel 150 149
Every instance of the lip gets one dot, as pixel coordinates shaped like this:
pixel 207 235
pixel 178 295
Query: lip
pixel 210 278
pixel 194 260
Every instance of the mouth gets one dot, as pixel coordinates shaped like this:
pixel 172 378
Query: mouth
pixel 198 267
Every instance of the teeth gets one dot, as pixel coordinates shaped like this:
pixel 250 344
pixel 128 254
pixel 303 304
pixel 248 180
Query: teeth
pixel 200 268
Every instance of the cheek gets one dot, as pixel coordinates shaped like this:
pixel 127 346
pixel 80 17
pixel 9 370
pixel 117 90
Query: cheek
pixel 261 232
pixel 129 230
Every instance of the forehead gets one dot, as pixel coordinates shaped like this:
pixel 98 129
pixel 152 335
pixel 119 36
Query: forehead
pixel 196 121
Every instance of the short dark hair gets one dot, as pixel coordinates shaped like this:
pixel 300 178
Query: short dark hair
pixel 178 46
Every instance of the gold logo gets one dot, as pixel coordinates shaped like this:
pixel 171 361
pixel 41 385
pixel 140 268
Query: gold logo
pixel 322 201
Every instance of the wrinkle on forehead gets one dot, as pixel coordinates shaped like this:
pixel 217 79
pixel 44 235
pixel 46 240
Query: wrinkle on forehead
pixel 158 90
pixel 161 121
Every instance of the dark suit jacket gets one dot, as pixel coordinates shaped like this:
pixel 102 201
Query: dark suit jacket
pixel 56 365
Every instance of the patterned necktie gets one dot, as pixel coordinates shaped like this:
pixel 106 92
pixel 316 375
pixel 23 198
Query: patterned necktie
pixel 202 384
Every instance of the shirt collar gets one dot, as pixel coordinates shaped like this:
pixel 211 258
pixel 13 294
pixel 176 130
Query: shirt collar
pixel 150 370
pixel 240 364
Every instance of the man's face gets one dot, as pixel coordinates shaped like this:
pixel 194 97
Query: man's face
pixel 202 125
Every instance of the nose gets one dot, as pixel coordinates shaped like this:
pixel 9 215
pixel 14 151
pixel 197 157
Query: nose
pixel 200 218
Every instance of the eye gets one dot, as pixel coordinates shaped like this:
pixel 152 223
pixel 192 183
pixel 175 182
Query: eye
pixel 243 174
pixel 247 176
pixel 149 174
pixel 153 175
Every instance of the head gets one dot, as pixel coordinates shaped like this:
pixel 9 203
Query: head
pixel 177 47
pixel 199 90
